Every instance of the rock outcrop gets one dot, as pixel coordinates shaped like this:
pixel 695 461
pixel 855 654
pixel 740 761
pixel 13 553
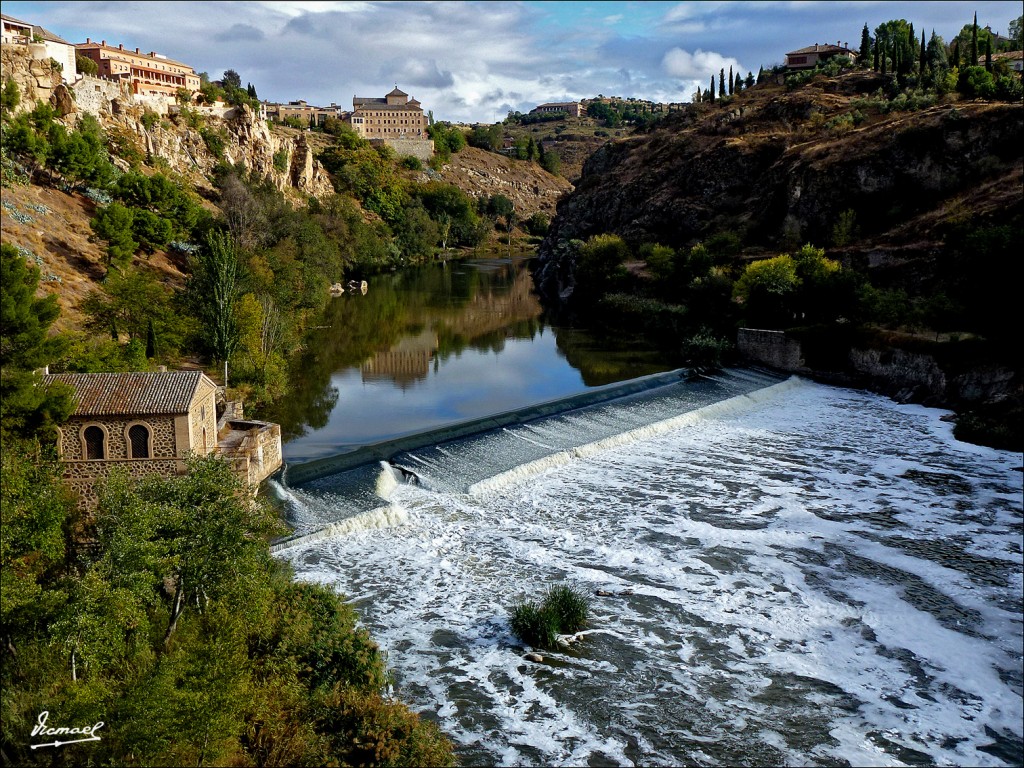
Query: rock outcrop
pixel 33 72
pixel 779 168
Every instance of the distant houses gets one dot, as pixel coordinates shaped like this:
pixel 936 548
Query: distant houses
pixel 813 55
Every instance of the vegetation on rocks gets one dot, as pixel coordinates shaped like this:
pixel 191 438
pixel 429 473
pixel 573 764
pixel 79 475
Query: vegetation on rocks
pixel 562 610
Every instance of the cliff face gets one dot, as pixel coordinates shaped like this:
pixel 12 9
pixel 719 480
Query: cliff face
pixel 247 140
pixel 780 168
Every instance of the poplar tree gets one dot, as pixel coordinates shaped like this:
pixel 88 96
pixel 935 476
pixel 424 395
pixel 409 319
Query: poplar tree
pixel 213 289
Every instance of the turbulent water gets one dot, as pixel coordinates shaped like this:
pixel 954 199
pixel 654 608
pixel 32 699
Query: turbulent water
pixel 787 573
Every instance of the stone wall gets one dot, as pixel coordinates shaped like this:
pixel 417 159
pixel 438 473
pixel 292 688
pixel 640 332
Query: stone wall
pixel 82 476
pixel 770 348
pixel 95 95
pixel 116 444
pixel 203 415
pixel 421 148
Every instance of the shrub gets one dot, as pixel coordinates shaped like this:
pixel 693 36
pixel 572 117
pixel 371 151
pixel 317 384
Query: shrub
pixel 563 610
pixel 149 119
pixel 703 351
pixel 281 160
pixel 412 162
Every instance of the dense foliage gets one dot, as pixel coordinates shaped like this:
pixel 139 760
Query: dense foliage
pixel 562 610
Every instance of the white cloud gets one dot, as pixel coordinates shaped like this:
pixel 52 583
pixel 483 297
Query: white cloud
pixel 697 65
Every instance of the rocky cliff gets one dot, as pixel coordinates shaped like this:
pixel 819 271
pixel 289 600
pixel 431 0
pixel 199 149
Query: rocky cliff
pixel 780 168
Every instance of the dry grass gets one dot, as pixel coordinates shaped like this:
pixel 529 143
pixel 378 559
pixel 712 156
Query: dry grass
pixel 73 263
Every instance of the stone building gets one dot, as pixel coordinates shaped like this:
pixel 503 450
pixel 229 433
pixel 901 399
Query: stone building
pixel 148 74
pixel 149 423
pixel 570 108
pixel 395 116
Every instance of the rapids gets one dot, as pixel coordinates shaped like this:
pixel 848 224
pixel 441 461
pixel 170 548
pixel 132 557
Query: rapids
pixel 781 572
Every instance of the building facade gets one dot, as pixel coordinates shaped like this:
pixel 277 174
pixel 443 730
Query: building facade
pixel 44 44
pixel 813 55
pixel 571 108
pixel 395 116
pixel 148 74
pixel 149 423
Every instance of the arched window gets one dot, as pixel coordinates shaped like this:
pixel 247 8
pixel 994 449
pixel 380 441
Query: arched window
pixel 138 439
pixel 94 448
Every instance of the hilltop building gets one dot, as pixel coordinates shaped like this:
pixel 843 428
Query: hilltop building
pixel 571 108
pixel 395 116
pixel 147 74
pixel 302 111
pixel 47 45
pixel 813 55
pixel 148 423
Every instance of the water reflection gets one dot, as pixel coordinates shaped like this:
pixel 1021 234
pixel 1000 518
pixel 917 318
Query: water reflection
pixel 437 345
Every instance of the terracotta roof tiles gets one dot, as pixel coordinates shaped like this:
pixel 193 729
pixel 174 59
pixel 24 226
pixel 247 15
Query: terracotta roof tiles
pixel 120 394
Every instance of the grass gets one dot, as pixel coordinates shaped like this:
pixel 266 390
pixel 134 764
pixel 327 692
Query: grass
pixel 563 610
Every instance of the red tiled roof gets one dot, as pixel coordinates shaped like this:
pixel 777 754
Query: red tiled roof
pixel 123 394
pixel 822 48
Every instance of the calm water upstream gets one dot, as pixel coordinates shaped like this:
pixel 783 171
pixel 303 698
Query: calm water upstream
pixel 782 573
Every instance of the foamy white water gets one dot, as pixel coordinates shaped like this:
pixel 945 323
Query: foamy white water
pixel 819 577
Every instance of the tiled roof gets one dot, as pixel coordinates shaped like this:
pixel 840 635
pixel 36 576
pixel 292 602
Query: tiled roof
pixel 396 92
pixel 123 394
pixel 5 17
pixel 822 48
pixel 48 35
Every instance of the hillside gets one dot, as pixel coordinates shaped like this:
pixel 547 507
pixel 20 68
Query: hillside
pixel 780 167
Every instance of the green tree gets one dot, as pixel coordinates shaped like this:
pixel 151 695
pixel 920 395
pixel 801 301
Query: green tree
pixel 721 83
pixel 86 66
pixel 213 289
pixel 10 97
pixel 114 223
pixel 1016 33
pixel 865 46
pixel 711 91
pixel 25 345
pixel 766 290
pixel 599 265
pixel 731 81
pixel 231 79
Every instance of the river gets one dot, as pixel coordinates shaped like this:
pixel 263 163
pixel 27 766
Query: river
pixel 781 572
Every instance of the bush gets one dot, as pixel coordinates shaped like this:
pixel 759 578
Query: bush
pixel 563 610
pixel 703 351
pixel 412 162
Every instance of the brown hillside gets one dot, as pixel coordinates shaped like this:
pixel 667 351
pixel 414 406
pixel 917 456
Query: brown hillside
pixel 779 168
pixel 53 227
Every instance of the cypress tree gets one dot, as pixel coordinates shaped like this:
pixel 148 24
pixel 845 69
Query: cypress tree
pixel 760 75
pixel 923 50
pixel 731 84
pixel 739 83
pixel 721 83
pixel 954 53
pixel 711 93
pixel 150 340
pixel 865 45
pixel 876 56
pixel 974 42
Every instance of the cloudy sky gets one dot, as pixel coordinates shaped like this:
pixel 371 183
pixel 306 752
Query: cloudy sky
pixel 474 61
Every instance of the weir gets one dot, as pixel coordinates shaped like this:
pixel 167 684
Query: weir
pixel 482 456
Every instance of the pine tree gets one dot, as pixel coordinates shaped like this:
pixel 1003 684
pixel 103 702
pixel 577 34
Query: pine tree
pixel 749 82
pixel 731 84
pixel 865 45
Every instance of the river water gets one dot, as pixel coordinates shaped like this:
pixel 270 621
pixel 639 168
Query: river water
pixel 781 572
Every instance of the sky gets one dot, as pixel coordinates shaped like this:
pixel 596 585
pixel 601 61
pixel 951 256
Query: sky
pixel 475 61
